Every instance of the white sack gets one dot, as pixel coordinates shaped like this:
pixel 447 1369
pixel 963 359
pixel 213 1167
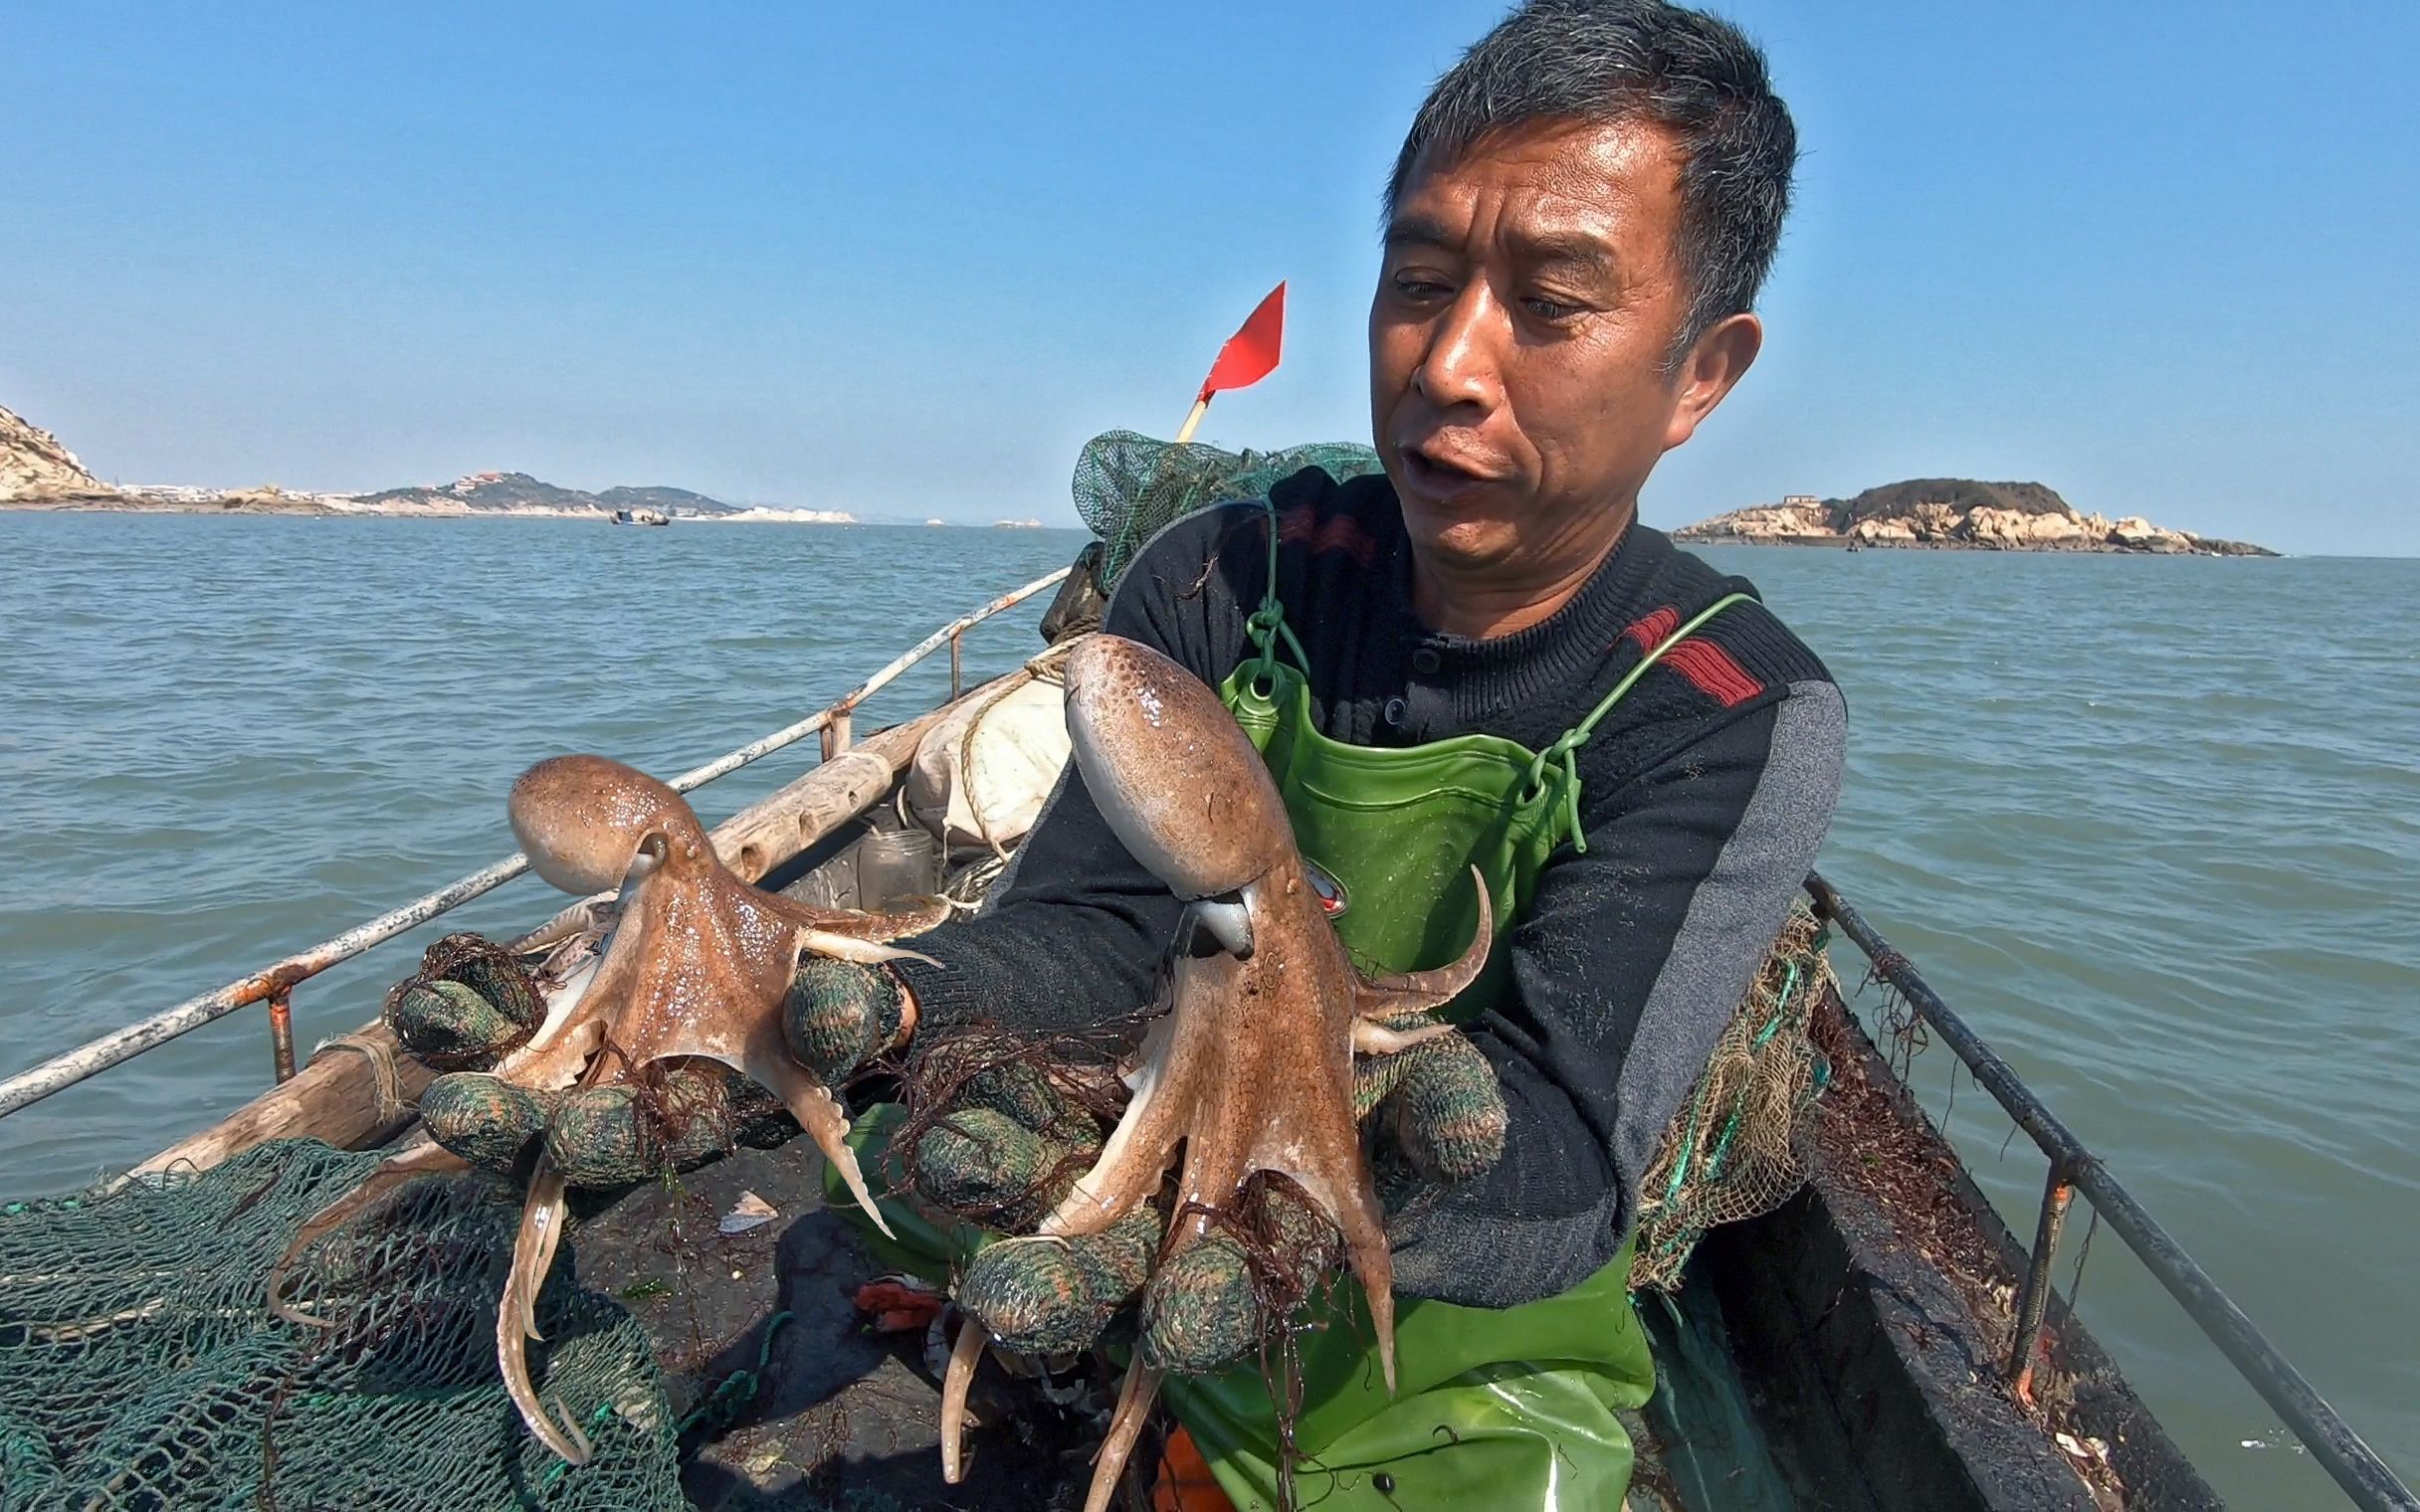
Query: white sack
pixel 980 776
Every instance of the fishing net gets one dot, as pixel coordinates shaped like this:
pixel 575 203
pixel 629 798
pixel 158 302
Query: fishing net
pixel 140 1366
pixel 1129 486
pixel 1730 1155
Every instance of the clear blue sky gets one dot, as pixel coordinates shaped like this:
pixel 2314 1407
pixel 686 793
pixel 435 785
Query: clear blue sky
pixel 904 259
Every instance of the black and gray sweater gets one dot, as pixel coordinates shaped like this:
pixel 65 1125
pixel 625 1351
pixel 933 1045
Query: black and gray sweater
pixel 1704 796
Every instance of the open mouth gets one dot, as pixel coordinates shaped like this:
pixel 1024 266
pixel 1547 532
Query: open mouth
pixel 1438 477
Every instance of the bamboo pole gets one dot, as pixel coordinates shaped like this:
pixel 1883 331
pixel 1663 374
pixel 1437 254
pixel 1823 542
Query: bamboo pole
pixel 359 1090
pixel 764 835
pixel 1193 421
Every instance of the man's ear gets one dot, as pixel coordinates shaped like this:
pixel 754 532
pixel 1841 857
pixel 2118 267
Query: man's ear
pixel 1716 360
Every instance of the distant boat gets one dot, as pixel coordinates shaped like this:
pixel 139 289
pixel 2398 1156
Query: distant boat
pixel 640 517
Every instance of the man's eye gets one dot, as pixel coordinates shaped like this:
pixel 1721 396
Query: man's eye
pixel 1419 289
pixel 1552 311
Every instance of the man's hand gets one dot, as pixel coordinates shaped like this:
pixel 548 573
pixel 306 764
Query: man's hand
pixel 1012 1147
pixel 471 1007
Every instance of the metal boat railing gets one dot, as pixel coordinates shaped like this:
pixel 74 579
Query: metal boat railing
pixel 276 983
pixel 2364 1478
pixel 2356 1468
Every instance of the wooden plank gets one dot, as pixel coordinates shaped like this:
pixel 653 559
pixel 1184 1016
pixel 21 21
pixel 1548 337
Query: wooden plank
pixel 763 834
pixel 338 1096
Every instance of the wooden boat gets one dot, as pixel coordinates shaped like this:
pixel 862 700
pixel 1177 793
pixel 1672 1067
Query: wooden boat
pixel 1881 1339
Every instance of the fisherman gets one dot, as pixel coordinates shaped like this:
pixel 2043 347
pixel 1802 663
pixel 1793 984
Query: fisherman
pixel 1479 657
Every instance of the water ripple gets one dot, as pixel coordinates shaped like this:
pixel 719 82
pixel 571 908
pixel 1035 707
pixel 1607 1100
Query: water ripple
pixel 2152 825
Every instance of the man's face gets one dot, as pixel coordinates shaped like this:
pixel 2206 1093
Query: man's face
pixel 1519 343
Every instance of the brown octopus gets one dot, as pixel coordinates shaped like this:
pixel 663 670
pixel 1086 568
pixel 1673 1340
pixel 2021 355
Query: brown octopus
pixel 1250 1067
pixel 698 964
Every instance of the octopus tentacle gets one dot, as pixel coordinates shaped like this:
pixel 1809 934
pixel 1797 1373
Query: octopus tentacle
pixel 1416 990
pixel 1371 1038
pixel 819 1113
pixel 1134 1397
pixel 425 1159
pixel 912 916
pixel 1216 1163
pixel 534 1249
pixel 1352 1203
pixel 533 1245
pixel 570 1004
pixel 1130 1165
pixel 964 1356
pixel 857 949
pixel 553 1066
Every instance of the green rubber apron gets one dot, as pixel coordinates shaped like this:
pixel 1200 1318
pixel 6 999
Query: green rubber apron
pixel 1510 1407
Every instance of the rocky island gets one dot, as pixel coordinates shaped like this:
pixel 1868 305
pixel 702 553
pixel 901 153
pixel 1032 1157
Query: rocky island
pixel 33 466
pixel 1953 514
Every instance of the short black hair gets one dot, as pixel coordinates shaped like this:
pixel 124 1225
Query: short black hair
pixel 1607 61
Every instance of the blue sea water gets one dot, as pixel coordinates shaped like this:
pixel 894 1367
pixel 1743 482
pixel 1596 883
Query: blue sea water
pixel 2153 826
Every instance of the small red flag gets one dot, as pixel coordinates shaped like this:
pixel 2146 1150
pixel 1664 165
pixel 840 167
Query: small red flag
pixel 1251 354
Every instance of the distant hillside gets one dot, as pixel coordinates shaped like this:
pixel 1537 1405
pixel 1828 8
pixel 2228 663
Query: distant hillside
pixel 37 472
pixel 1898 500
pixel 519 492
pixel 674 502
pixel 34 466
pixel 1954 513
pixel 486 491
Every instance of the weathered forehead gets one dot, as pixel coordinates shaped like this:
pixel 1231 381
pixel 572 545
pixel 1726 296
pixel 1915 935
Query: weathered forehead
pixel 1548 189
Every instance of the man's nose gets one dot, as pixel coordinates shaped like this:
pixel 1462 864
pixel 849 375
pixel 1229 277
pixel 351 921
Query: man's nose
pixel 1461 365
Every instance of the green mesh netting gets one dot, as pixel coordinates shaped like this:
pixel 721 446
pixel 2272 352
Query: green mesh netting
pixel 140 1367
pixel 1128 487
pixel 1732 1154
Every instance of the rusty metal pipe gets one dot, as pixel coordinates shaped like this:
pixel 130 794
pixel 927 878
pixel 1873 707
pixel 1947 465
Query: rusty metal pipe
pixel 2358 1472
pixel 75 1065
pixel 2026 1342
pixel 282 1034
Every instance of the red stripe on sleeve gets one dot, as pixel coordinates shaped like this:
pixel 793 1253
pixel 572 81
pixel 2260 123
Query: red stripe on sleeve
pixel 1712 668
pixel 1650 632
pixel 1302 525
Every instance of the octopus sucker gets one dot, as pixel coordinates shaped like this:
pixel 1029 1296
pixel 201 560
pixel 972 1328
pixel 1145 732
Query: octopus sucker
pixel 1250 1069
pixel 698 964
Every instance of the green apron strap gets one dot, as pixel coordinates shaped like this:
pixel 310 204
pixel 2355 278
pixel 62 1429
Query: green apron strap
pixel 1268 621
pixel 1266 626
pixel 1566 748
